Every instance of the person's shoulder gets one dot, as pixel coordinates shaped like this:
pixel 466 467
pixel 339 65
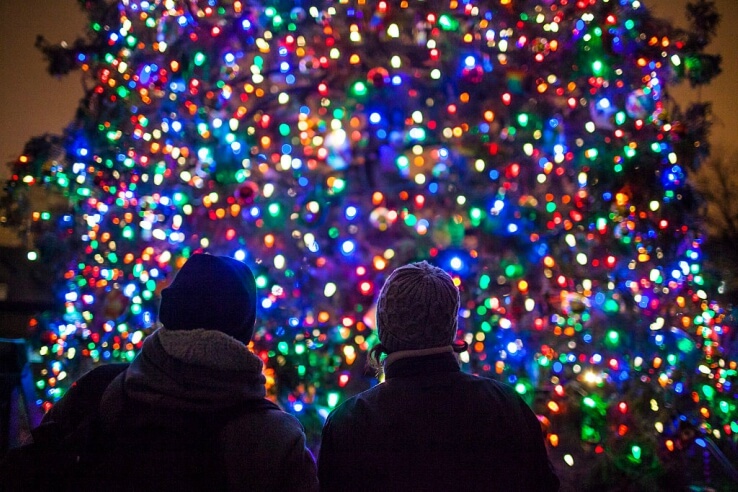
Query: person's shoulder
pixel 348 404
pixel 102 374
pixel 498 389
pixel 277 415
pixel 262 426
pixel 91 386
pixel 487 380
pixel 263 413
pixel 352 406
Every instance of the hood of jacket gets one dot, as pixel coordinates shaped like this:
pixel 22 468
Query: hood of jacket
pixel 194 370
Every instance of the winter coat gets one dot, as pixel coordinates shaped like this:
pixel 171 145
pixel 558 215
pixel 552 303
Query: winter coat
pixel 431 427
pixel 193 401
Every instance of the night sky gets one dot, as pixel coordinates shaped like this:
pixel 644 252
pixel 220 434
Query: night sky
pixel 34 103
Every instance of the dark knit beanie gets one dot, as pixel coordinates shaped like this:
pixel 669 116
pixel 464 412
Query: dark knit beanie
pixel 417 308
pixel 214 293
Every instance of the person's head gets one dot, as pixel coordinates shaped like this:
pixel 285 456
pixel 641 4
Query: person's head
pixel 417 309
pixel 214 293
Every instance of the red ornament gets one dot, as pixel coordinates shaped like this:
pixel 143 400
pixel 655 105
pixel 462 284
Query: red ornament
pixel 115 304
pixel 246 193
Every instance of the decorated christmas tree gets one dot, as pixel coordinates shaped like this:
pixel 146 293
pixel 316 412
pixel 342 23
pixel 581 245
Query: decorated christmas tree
pixel 528 147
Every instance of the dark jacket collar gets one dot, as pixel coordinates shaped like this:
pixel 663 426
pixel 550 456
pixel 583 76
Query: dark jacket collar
pixel 428 364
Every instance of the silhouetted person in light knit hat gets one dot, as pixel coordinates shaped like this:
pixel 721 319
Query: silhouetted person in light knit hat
pixel 429 426
pixel 189 412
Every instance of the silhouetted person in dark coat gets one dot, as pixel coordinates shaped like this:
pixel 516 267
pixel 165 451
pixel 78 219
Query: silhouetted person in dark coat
pixel 190 412
pixel 429 426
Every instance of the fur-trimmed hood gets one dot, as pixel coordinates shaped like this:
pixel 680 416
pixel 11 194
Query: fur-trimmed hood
pixel 194 370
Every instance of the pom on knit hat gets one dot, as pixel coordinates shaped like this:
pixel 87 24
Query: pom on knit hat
pixel 417 308
pixel 214 293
